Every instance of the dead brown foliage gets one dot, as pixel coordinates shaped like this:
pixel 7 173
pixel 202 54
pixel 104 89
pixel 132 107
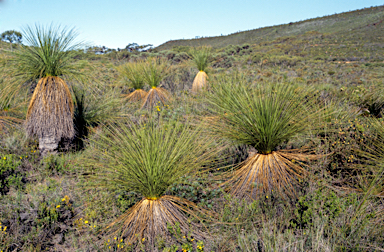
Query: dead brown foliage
pixel 50 111
pixel 155 96
pixel 149 218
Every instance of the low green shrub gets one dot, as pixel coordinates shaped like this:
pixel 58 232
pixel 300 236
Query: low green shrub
pixel 322 203
pixel 9 173
pixel 57 164
pixel 196 191
pixel 38 218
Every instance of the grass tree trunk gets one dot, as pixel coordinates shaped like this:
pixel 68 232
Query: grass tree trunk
pixel 48 144
pixel 50 114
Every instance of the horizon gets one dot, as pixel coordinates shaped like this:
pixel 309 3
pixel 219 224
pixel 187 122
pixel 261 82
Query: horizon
pixel 118 24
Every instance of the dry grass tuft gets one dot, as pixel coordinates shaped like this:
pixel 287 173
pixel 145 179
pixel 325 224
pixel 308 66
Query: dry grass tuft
pixel 155 96
pixel 135 96
pixel 262 173
pixel 50 111
pixel 150 218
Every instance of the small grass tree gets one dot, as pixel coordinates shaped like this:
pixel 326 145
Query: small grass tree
pixel 148 159
pixel 200 58
pixel 132 76
pixel 264 116
pixel 48 59
pixel 155 70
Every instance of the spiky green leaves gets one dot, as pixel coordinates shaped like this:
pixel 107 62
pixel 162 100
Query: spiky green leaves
pixel 155 70
pixel 148 158
pixel 200 57
pixel 132 74
pixel 48 52
pixel 262 115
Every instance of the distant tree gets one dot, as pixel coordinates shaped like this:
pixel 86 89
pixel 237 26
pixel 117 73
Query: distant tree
pixel 96 49
pixel 144 47
pixel 136 47
pixel 100 49
pixel 131 47
pixel 12 37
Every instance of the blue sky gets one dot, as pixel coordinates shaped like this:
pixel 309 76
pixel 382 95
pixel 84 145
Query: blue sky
pixel 117 23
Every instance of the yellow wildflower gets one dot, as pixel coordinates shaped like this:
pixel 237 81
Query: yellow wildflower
pixel 58 206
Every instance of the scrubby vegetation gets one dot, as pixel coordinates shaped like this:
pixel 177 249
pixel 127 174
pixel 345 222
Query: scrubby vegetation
pixel 282 151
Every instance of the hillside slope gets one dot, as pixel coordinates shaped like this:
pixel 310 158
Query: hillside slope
pixel 347 22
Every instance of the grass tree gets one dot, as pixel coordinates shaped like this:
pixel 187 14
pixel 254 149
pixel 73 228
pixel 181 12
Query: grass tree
pixel 155 70
pixel 265 116
pixel 48 59
pixel 200 59
pixel 148 159
pixel 132 76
